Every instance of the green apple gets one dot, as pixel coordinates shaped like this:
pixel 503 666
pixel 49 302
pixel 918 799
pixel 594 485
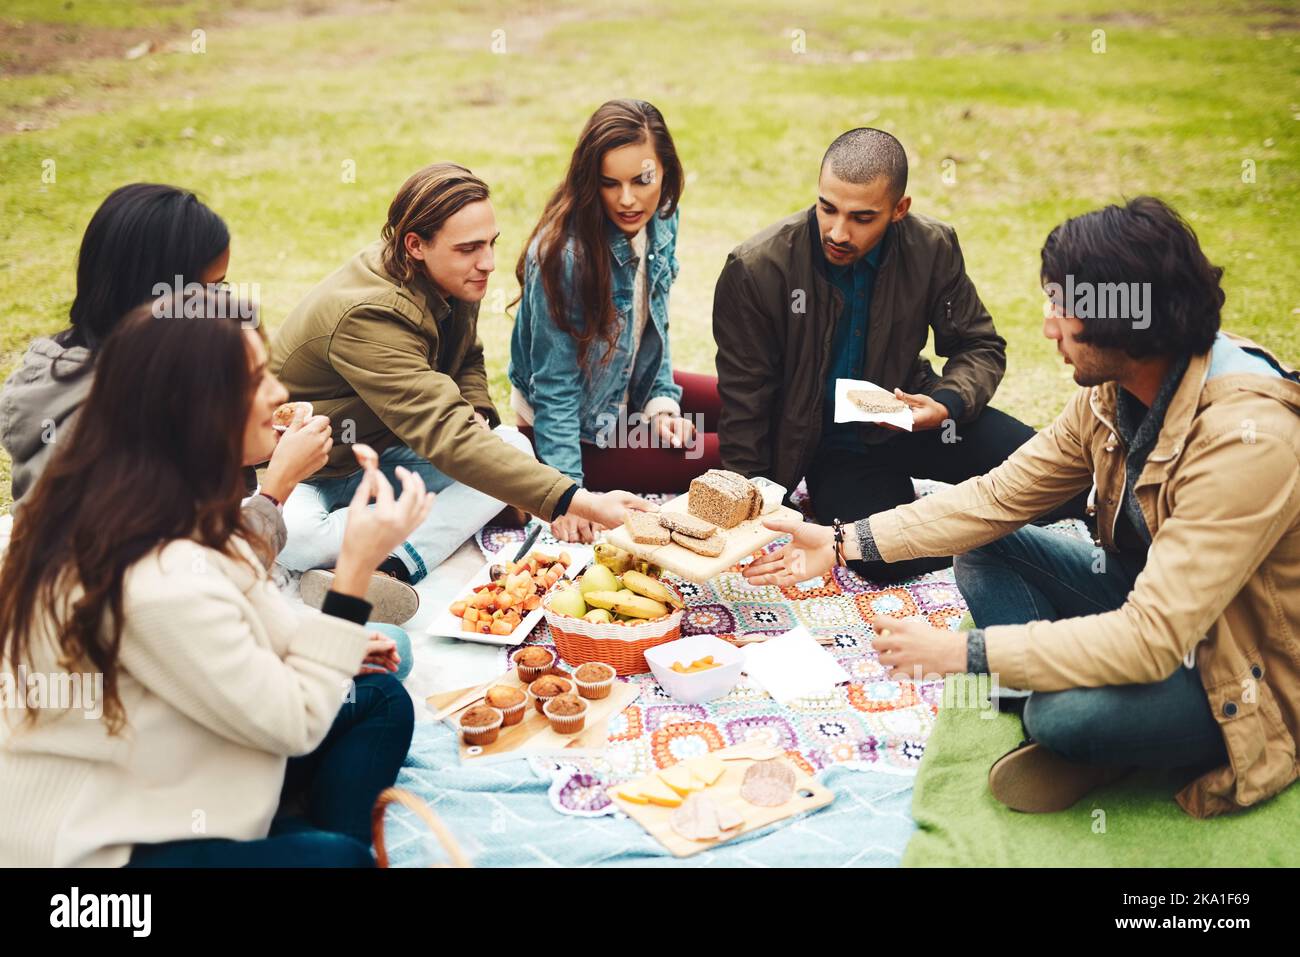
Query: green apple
pixel 567 601
pixel 598 578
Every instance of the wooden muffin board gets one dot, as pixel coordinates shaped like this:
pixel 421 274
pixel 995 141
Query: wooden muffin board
pixel 533 736
pixel 657 820
pixel 742 541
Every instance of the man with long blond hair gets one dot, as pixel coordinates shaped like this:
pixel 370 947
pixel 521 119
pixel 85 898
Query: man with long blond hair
pixel 387 346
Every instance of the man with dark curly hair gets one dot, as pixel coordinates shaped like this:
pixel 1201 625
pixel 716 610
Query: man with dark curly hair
pixel 1172 640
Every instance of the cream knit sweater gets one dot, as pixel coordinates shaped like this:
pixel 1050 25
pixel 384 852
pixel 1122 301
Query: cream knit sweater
pixel 222 679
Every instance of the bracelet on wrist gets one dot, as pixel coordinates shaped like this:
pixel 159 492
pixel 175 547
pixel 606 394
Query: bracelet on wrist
pixel 838 528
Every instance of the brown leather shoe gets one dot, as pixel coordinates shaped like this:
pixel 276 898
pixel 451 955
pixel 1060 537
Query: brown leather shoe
pixel 1033 779
pixel 393 602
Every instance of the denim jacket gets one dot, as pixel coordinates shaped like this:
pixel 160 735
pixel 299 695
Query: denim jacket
pixel 572 406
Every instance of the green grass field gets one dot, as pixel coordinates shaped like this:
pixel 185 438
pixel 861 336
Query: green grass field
pixel 1036 125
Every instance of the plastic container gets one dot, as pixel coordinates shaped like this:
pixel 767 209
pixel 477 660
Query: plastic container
pixel 702 685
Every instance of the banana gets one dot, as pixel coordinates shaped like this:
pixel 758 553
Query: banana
pixel 627 603
pixel 651 588
pixel 604 599
pixel 638 606
pixel 648 568
pixel 598 616
pixel 614 558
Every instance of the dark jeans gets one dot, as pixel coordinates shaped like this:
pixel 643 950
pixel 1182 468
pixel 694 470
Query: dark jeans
pixel 850 485
pixel 1035 574
pixel 336 785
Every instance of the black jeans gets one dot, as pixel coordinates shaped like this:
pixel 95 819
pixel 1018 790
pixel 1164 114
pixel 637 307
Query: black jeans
pixel 850 485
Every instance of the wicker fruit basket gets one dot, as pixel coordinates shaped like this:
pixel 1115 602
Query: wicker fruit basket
pixel 621 645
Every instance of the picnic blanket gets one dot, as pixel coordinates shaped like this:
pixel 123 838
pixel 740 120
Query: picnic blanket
pixel 871 724
pixel 1133 822
pixel 502 815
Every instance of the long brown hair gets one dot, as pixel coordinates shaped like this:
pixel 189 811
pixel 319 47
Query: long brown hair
pixel 575 209
pixel 154 456
pixel 426 200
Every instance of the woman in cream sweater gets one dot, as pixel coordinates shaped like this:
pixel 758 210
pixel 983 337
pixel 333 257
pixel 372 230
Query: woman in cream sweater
pixel 165 705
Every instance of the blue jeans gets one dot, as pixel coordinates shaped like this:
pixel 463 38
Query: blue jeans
pixel 1036 574
pixel 336 785
pixel 316 513
pixel 404 651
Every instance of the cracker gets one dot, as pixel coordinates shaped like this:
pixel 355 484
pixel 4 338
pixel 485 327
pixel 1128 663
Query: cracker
pixel 710 547
pixel 700 818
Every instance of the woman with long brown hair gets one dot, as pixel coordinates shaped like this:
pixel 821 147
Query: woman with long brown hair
pixel 592 376
pixel 142 236
pixel 202 694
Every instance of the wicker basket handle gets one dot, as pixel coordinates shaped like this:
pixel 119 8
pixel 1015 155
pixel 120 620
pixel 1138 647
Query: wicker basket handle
pixel 421 810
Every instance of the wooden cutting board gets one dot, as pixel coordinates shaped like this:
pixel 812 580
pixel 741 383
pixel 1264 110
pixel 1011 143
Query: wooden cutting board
pixel 533 736
pixel 808 796
pixel 742 541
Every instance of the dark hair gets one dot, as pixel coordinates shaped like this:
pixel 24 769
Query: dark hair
pixel 575 210
pixel 155 455
pixel 142 235
pixel 425 202
pixel 864 155
pixel 1143 241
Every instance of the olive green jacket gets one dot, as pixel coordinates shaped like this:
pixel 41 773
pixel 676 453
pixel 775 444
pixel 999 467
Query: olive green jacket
pixel 392 363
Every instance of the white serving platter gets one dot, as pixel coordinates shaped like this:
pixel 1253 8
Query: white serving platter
pixel 447 625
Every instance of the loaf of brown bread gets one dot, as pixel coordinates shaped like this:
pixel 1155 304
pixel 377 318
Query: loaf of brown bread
pixel 724 498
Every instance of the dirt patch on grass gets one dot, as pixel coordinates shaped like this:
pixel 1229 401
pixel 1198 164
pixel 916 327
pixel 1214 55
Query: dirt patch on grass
pixel 44 47
pixel 38 47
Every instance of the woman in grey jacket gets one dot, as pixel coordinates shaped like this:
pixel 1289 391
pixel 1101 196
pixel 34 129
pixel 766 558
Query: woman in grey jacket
pixel 142 237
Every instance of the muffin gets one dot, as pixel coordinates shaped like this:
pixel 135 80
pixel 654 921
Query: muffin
pixel 480 724
pixel 567 713
pixel 595 680
pixel 533 662
pixel 511 702
pixel 547 687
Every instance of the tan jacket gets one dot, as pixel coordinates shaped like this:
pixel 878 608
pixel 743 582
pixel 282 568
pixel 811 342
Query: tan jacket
pixel 1221 495
pixel 390 363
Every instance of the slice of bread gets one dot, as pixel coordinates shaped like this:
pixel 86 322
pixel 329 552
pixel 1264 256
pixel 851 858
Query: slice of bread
pixel 710 547
pixel 645 529
pixel 873 401
pixel 687 524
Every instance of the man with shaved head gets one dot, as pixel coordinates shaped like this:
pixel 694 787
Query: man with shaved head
pixel 850 288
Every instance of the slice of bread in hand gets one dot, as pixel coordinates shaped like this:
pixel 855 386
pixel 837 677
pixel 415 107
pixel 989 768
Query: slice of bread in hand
pixel 687 524
pixel 645 529
pixel 710 547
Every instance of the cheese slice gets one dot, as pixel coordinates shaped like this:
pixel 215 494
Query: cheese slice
pixel 656 792
pixel 632 794
pixel 708 769
pixel 681 780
